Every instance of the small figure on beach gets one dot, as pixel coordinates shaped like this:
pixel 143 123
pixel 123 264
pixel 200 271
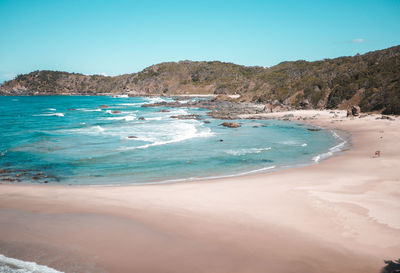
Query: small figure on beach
pixel 377 154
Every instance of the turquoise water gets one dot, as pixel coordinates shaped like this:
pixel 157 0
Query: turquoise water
pixel 70 140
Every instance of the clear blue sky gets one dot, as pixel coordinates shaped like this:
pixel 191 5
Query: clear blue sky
pixel 116 36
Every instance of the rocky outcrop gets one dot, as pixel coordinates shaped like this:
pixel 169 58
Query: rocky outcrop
pixel 230 124
pixel 370 81
pixel 354 110
pixel 219 109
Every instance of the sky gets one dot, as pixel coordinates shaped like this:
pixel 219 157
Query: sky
pixel 119 36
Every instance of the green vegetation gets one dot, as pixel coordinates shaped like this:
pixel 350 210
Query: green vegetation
pixel 371 81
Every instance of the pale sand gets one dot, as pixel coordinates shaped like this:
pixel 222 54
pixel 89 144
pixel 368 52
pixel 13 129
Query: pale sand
pixel 341 215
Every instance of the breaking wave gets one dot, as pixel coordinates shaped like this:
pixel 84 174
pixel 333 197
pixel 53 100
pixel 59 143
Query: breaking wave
pixel 49 115
pixel 332 150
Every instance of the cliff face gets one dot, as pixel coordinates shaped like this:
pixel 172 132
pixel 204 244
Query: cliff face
pixel 371 80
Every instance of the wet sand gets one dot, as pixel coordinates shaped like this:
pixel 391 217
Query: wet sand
pixel 341 215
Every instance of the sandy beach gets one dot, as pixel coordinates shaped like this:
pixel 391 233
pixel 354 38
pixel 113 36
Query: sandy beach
pixel 340 215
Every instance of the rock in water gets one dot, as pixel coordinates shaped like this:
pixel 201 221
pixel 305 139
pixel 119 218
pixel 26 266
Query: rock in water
pixel 231 124
pixel 103 106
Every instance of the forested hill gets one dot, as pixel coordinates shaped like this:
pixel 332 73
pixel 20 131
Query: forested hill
pixel 371 80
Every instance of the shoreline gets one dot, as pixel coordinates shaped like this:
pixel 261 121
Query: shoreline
pixel 345 138
pixel 340 215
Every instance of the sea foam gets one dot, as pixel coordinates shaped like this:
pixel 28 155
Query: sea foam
pixel 248 151
pixel 332 150
pixel 49 115
pixel 11 265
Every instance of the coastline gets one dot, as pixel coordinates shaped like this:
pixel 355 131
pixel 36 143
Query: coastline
pixel 339 215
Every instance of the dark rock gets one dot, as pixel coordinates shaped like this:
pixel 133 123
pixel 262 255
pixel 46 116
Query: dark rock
pixel 132 136
pixel 230 124
pixel 163 103
pixel 255 126
pixel 141 118
pixel 2 171
pixel 103 106
pixel 391 266
pixel 35 177
pixel 305 104
pixel 221 140
pixel 354 110
pixel 116 112
pixel 206 121
pixel 222 115
pixel 164 110
pixel 313 129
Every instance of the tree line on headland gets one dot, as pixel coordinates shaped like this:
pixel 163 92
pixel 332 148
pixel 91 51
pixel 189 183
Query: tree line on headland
pixel 371 80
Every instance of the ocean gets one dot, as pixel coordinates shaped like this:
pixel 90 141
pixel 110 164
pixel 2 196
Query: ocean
pixel 102 140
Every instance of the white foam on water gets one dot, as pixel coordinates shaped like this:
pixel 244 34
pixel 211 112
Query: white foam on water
pixel 187 131
pixel 332 150
pixel 290 142
pixel 155 118
pixel 172 132
pixel 49 115
pixel 178 111
pixel 155 100
pixel 304 145
pixel 18 266
pixel 93 130
pixel 51 109
pixel 248 151
pixel 88 110
pixel 126 118
pixel 3 153
pixel 108 111
pixel 98 128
